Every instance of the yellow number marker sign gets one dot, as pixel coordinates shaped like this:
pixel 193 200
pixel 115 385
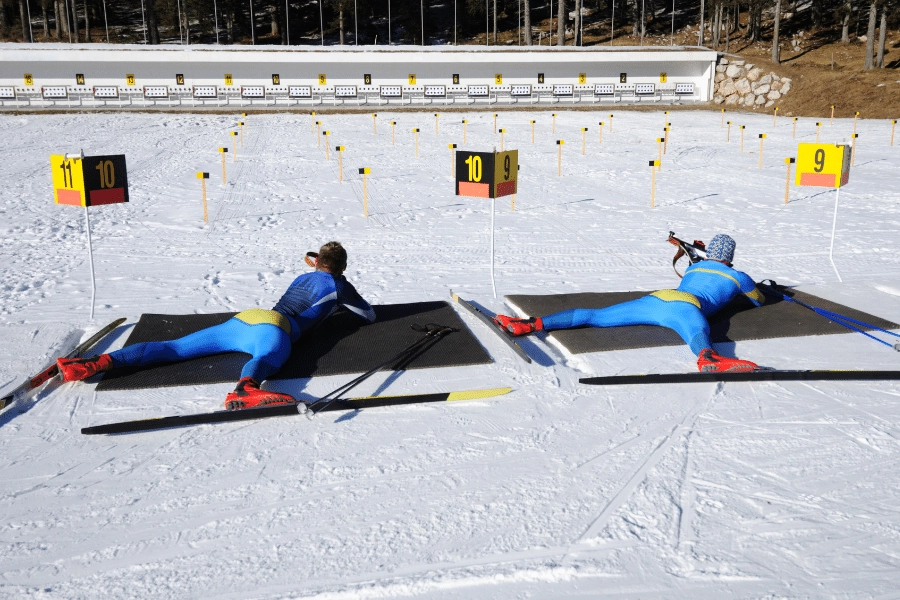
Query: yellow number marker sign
pixel 582 78
pixel 823 165
pixel 129 79
pixel 228 79
pixel 411 79
pixel 487 174
pixel 322 79
pixel 89 181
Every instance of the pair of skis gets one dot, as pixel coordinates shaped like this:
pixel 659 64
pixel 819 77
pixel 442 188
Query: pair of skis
pixel 50 371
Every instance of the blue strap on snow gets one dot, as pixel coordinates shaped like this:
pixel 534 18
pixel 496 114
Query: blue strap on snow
pixel 840 319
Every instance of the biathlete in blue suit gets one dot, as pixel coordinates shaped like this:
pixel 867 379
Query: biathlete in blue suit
pixel 267 335
pixel 707 286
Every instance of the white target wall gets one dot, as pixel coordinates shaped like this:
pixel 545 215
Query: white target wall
pixel 96 75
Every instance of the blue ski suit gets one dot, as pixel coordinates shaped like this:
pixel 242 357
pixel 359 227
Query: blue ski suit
pixel 266 335
pixel 707 286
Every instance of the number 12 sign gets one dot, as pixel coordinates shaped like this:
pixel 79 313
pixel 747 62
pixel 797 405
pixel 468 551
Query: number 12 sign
pixel 486 174
pixel 823 165
pixel 91 181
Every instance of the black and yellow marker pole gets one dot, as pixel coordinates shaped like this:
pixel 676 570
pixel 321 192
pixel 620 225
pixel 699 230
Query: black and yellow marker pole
pixel 312 119
pixel 666 139
pixel 495 123
pixel 787 184
pixel 374 123
pixel 600 132
pixel 532 131
pixel 464 123
pixel 893 126
pixel 832 114
pixel 325 135
pixel 502 132
pixel 436 126
pixel 855 117
pixel 742 138
pixel 203 177
pixel 365 171
pixel 241 125
pixel 762 137
pixel 610 123
pixel 728 134
pixel 416 132
pixel 666 118
pixel 452 159
pixel 234 134
pixel 794 131
pixel 722 123
pixel 775 117
pixel 223 151
pixel 818 130
pixel 340 153
pixel 554 123
pixel 659 147
pixel 318 134
pixel 853 139
pixel 559 145
pixel 393 124
pixel 654 166
pixel 583 140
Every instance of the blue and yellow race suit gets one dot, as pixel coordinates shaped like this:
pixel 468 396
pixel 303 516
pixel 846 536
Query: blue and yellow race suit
pixel 266 335
pixel 707 286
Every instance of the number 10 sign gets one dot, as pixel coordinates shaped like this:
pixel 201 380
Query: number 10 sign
pixel 486 174
pixel 89 180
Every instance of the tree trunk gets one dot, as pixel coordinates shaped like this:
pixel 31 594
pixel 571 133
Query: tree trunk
pixel 74 15
pixel 879 60
pixel 776 51
pixel 526 21
pixel 727 31
pixel 702 10
pixel 152 22
pixel 253 23
pixel 87 23
pixel 273 17
pixel 341 23
pixel 45 18
pixel 561 23
pixel 495 23
pixel 845 23
pixel 25 25
pixel 578 4
pixel 229 27
pixel 870 36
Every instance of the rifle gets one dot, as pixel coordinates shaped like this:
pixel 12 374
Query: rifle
pixel 695 252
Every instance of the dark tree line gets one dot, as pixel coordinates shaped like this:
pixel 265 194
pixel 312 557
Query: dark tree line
pixel 726 24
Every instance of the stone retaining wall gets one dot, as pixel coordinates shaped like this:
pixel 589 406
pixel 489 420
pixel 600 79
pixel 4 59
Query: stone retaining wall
pixel 740 84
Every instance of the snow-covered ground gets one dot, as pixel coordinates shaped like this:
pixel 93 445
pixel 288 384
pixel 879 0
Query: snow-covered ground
pixel 557 490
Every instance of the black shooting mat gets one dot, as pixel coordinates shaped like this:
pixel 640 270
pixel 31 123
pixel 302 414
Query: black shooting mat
pixel 737 321
pixel 340 344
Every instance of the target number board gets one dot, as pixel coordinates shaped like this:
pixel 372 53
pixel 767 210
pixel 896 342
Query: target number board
pixel 823 165
pixel 92 181
pixel 486 174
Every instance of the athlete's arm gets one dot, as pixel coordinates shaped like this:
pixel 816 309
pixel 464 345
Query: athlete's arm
pixel 352 301
pixel 749 289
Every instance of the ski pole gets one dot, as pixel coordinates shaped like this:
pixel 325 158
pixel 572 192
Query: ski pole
pixel 832 316
pixel 433 334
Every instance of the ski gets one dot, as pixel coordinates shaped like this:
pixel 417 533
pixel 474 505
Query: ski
pixel 491 325
pixel 744 376
pixel 225 416
pixel 50 371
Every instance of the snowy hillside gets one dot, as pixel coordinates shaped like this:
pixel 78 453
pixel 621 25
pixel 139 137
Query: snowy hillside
pixel 557 490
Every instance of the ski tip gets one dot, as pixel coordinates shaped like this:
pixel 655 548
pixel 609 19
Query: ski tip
pixel 897 347
pixel 477 394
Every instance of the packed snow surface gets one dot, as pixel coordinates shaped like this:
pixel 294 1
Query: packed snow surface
pixel 556 490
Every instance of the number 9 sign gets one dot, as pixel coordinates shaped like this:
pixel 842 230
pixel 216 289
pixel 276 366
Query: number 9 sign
pixel 823 165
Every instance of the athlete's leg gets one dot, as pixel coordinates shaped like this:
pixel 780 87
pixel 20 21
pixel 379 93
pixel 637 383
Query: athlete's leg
pixel 212 340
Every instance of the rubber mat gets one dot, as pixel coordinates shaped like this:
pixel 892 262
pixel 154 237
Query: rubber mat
pixel 738 321
pixel 339 345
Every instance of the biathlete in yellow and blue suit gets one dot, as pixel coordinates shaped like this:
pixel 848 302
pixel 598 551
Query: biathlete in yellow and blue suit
pixel 706 287
pixel 266 335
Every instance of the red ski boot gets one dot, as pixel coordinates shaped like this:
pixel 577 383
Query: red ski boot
pixel 710 362
pixel 248 395
pixel 519 326
pixel 76 369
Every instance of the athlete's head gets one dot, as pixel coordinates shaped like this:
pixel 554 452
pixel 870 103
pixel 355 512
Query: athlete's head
pixel 332 258
pixel 721 248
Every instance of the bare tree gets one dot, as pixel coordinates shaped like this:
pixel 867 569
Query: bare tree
pixel 87 22
pixel 776 50
pixel 870 36
pixel 45 19
pixel 26 30
pixel 561 23
pixel 882 34
pixel 526 21
pixel 578 41
pixel 74 16
pixel 846 11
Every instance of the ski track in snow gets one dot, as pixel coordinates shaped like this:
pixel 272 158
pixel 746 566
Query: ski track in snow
pixel 769 490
